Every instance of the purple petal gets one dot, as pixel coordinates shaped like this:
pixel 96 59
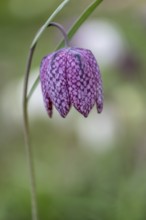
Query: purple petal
pixel 56 81
pixel 99 96
pixel 44 85
pixel 81 81
pixel 96 71
pixel 99 99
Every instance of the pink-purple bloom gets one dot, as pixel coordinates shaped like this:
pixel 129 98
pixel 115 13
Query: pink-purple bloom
pixel 71 76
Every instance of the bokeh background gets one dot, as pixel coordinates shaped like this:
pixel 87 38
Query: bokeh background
pixel 86 168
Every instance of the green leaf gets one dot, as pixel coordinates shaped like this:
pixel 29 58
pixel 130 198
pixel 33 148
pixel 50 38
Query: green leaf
pixel 71 32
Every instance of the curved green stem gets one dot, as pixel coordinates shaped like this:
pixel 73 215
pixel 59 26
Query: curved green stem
pixel 25 113
pixel 41 30
pixel 60 27
pixel 27 139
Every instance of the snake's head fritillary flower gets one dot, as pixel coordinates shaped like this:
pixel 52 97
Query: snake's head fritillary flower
pixel 71 76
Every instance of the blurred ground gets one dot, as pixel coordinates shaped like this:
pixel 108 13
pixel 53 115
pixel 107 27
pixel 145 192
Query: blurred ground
pixel 93 168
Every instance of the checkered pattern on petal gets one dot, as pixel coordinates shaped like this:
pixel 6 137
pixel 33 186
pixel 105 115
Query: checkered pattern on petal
pixel 81 81
pixel 55 76
pixel 71 76
pixel 96 71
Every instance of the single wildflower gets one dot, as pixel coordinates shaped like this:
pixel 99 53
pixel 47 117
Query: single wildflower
pixel 71 76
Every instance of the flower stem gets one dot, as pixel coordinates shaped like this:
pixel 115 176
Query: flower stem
pixel 25 111
pixel 45 25
pixel 27 139
pixel 61 28
pixel 26 124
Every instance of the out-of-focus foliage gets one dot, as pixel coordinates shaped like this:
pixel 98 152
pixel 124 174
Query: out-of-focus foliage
pixel 87 169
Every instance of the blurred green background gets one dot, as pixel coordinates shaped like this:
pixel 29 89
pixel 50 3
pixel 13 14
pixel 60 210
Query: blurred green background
pixel 86 169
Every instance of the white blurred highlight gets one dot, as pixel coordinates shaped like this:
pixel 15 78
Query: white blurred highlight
pixel 98 132
pixel 11 100
pixel 103 38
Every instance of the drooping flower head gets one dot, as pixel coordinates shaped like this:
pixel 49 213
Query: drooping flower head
pixel 71 76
